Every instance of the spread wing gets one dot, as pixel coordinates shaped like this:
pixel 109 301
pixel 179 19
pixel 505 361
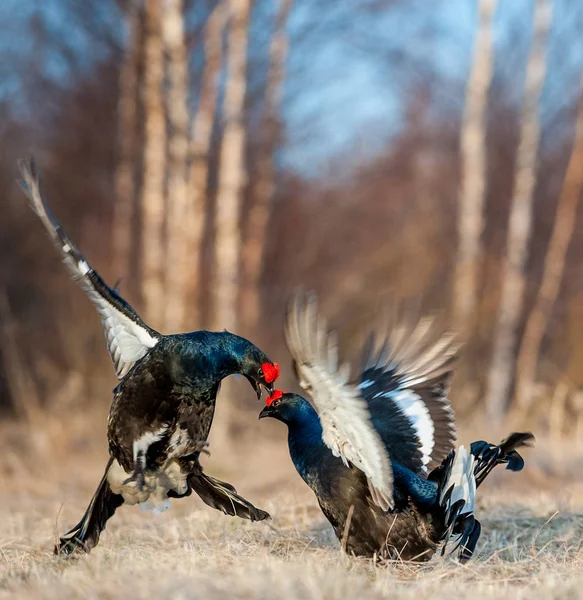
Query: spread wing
pixel 406 380
pixel 346 423
pixel 128 337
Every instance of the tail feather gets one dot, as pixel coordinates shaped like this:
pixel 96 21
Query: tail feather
pixel 489 455
pixel 457 497
pixel 223 496
pixel 459 483
pixel 470 534
pixel 85 535
pixel 459 476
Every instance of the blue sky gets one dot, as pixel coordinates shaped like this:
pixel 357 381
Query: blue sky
pixel 349 85
pixel 357 97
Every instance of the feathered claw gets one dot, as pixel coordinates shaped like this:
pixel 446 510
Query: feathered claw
pixel 138 477
pixel 85 535
pixel 203 446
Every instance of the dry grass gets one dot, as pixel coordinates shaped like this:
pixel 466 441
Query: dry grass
pixel 531 545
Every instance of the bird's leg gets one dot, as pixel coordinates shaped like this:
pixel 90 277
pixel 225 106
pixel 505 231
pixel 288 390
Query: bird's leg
pixel 191 463
pixel 138 477
pixel 202 446
pixel 138 474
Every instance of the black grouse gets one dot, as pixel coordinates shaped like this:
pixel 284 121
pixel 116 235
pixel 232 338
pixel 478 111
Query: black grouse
pixel 380 452
pixel 163 407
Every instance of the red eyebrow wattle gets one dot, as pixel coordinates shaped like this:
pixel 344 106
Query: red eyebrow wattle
pixel 277 394
pixel 270 372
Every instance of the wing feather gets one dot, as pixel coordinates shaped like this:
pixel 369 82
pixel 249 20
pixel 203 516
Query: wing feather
pixel 346 423
pixel 128 338
pixel 412 366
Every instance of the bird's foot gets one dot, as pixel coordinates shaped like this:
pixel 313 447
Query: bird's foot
pixel 70 547
pixel 139 479
pixel 202 447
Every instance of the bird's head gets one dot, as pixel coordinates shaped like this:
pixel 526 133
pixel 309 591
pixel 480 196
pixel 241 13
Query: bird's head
pixel 234 354
pixel 260 372
pixel 286 407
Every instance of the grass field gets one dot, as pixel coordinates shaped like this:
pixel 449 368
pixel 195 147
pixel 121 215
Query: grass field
pixel 531 546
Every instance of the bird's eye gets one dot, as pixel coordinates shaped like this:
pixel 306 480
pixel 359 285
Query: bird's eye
pixel 276 403
pixel 260 373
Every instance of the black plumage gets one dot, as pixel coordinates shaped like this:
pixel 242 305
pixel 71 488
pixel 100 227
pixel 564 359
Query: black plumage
pixel 163 407
pixel 397 407
pixel 423 519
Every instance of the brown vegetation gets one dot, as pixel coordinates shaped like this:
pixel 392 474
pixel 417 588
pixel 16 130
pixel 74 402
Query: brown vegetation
pixel 197 162
pixel 530 545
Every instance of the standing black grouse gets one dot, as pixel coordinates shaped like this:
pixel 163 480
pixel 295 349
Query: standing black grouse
pixel 163 407
pixel 380 452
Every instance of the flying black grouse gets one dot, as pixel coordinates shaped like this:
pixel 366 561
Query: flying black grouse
pixel 163 407
pixel 380 453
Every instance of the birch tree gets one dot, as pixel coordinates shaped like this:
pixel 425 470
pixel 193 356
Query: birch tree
pixel 124 174
pixel 474 166
pixel 255 244
pixel 179 262
pixel 199 145
pixel 553 268
pixel 232 176
pixel 154 168
pixel 502 367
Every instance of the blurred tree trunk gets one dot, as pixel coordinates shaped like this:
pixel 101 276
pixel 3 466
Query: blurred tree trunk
pixel 255 244
pixel 232 175
pixel 154 168
pixel 179 262
pixel 553 269
pixel 125 193
pixel 199 145
pixel 474 170
pixel 503 363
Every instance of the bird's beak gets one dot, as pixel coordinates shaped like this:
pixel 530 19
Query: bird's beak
pixel 255 386
pixel 266 412
pixel 258 387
